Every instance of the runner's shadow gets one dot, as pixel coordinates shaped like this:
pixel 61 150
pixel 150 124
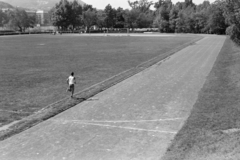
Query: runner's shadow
pixel 79 99
pixel 84 99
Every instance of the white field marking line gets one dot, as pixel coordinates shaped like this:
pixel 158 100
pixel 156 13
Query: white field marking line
pixel 128 128
pixel 121 35
pixel 128 121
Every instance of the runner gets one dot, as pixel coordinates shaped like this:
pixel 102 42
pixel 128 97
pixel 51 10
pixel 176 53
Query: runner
pixel 71 82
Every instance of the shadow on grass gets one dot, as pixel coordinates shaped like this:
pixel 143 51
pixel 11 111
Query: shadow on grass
pixel 66 103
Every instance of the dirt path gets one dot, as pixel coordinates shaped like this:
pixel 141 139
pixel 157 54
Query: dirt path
pixel 135 119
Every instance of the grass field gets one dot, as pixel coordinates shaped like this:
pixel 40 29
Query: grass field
pixel 34 68
pixel 213 129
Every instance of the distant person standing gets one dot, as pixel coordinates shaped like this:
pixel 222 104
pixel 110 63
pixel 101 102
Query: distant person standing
pixel 71 82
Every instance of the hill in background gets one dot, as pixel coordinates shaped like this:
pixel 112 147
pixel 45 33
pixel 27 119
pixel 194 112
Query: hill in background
pixel 5 5
pixel 35 4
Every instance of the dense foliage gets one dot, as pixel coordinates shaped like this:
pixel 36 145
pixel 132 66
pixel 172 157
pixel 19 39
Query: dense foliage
pixel 17 19
pixel 232 15
pixel 182 17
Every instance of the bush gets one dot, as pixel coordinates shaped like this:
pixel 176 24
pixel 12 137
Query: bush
pixel 234 32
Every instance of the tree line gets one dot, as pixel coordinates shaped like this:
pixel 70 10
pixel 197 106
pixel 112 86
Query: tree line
pixel 17 19
pixel 220 17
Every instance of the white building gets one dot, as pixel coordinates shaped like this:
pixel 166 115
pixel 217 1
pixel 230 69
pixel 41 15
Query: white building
pixel 42 17
pixel 31 13
pixel 4 10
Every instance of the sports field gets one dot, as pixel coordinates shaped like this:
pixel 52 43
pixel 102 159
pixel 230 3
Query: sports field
pixel 34 68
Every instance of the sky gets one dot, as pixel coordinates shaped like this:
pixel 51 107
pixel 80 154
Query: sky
pixel 101 4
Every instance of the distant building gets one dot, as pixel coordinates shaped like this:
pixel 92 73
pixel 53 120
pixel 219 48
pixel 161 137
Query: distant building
pixel 31 13
pixel 4 10
pixel 42 17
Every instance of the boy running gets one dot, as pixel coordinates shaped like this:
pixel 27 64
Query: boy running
pixel 71 82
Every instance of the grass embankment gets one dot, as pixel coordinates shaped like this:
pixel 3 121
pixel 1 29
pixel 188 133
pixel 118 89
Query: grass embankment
pixel 46 72
pixel 212 132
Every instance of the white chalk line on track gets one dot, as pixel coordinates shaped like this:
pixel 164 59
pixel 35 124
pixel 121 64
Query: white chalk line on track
pixel 128 128
pixel 119 127
pixel 128 121
pixel 96 123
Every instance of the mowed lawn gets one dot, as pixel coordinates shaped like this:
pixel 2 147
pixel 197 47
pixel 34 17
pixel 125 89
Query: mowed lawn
pixel 212 130
pixel 34 68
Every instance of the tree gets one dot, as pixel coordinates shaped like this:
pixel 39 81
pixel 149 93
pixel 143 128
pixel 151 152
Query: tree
pixel 140 15
pixel 67 15
pixel 173 19
pixel 189 19
pixel 200 19
pixel 141 5
pixel 203 6
pixel 100 20
pixel 110 16
pixel 180 22
pixel 188 3
pixel 32 20
pixel 158 4
pixel 18 19
pixel 145 20
pixel 88 7
pixel 232 15
pixel 131 17
pixel 75 14
pixel 3 18
pixel 162 16
pixel 119 20
pixel 89 18
pixel 61 14
pixel 216 22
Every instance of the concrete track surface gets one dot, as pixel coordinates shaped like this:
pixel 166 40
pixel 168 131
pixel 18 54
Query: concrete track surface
pixel 133 120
